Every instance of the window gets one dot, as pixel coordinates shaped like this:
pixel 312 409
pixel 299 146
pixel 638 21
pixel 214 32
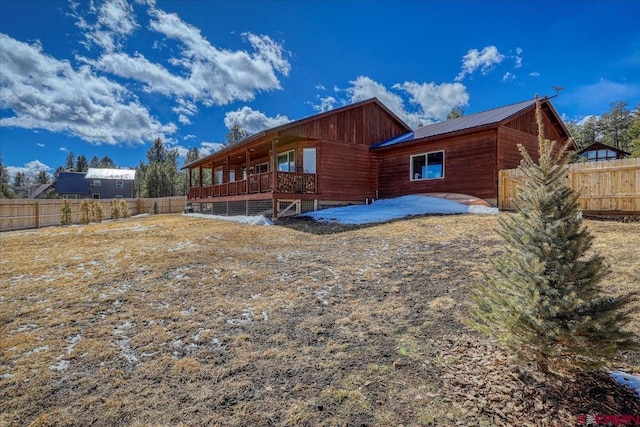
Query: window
pixel 232 176
pixel 287 161
pixel 217 176
pixel 95 195
pixel 96 183
pixel 261 167
pixel 427 166
pixel 599 155
pixel 309 160
pixel 118 196
pixel 119 184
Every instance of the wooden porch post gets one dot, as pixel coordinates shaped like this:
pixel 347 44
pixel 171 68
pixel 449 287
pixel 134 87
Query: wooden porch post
pixel 247 155
pixel 200 175
pixel 274 177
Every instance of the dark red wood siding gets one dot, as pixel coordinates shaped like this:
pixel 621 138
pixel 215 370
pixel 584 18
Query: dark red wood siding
pixel 470 166
pixel 368 124
pixel 345 172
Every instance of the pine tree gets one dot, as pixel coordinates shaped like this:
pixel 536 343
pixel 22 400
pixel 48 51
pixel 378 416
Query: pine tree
pixel 543 299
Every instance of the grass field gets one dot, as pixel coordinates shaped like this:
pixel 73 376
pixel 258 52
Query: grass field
pixel 173 320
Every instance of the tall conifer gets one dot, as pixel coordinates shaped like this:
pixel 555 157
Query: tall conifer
pixel 543 300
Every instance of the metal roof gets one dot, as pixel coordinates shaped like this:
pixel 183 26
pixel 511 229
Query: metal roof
pixel 105 173
pixel 462 123
pixel 72 183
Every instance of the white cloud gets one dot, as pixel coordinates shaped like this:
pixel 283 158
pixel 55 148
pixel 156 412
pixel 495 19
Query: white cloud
pixel 31 169
pixel 534 74
pixel 115 21
pixel 484 60
pixel 327 103
pixel 434 101
pixel 517 58
pixel 65 149
pixel 40 144
pixel 47 93
pixel 253 121
pixel 508 76
pixel 320 87
pixel 207 148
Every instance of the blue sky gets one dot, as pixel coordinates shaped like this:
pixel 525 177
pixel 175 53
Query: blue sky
pixel 107 77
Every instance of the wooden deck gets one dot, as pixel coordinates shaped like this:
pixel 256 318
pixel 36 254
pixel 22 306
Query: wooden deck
pixel 287 183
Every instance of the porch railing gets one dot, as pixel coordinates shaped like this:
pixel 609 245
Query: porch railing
pixel 288 182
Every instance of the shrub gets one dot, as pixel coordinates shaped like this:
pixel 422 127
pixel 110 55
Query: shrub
pixel 115 209
pixel 96 211
pixel 124 209
pixel 543 299
pixel 85 212
pixel 66 213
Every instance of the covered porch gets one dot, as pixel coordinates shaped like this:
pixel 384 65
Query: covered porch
pixel 256 175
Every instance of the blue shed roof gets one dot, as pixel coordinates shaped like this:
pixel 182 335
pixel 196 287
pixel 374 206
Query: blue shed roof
pixel 72 183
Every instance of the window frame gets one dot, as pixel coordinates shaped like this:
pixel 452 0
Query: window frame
pixel 119 184
pixel 291 161
pixel 96 183
pixel 412 174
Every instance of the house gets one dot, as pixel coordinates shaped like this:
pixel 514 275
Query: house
pixel 598 151
pixel 363 152
pixel 105 183
pixel 72 185
pixel 97 183
pixel 41 191
pixel 321 161
pixel 464 155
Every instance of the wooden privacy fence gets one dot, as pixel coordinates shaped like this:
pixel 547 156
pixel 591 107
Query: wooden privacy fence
pixel 606 188
pixel 19 214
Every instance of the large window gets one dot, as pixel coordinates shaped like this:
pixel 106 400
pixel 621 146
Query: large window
pixel 287 161
pixel 598 155
pixel 309 160
pixel 427 166
pixel 217 176
pixel 96 183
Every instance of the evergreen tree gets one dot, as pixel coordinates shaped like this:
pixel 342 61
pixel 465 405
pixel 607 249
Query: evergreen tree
pixel 543 300
pixel 42 177
pixel 634 133
pixel 57 172
pixel 455 112
pixel 70 163
pixel 6 192
pixel 107 162
pixel 82 165
pixel 236 134
pixel 615 124
pixel 94 162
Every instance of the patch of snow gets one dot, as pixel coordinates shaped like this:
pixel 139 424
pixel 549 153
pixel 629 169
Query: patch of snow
pixel 243 219
pixel 60 366
pixel 27 327
pixel 246 318
pixel 73 341
pixel 627 380
pixel 399 207
pixel 182 245
pixel 37 350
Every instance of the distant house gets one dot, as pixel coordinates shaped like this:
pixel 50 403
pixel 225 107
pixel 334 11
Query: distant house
pixel 96 183
pixel 111 183
pixel 72 185
pixel 362 152
pixel 598 152
pixel 40 192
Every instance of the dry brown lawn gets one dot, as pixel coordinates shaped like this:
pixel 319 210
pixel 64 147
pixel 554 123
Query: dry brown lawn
pixel 175 320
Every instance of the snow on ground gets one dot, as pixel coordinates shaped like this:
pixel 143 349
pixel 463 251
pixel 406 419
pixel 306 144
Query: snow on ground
pixel 379 211
pixel 399 207
pixel 251 220
pixel 624 379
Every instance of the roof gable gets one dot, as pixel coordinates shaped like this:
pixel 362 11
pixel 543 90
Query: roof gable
pixel 298 126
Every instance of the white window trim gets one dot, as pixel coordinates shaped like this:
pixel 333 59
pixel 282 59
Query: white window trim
pixel 96 183
pixel 426 156
pixel 119 184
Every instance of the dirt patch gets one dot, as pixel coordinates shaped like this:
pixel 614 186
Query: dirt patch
pixel 169 320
